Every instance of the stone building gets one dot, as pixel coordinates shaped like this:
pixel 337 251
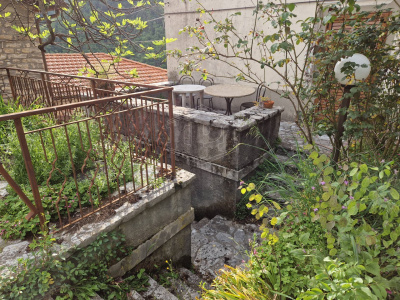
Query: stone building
pixel 16 50
pixel 179 14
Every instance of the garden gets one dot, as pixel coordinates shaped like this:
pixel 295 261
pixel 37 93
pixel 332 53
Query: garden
pixel 329 222
pixel 80 166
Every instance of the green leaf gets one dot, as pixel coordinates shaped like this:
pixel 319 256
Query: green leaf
pixel 352 208
pixel 328 171
pixel 291 6
pixel 365 183
pixel 314 155
pixel 353 172
pixel 303 238
pixel 394 193
pixel 327 19
pixel 364 168
pixel 373 268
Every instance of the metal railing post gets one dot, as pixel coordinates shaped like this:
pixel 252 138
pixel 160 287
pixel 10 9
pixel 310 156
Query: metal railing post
pixel 171 132
pixel 11 85
pixel 30 170
pixel 46 91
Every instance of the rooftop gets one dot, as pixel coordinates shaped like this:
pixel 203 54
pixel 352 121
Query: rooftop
pixel 75 63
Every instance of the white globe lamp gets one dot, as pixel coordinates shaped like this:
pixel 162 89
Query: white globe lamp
pixel 361 70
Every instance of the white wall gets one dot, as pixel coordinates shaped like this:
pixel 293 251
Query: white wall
pixel 179 14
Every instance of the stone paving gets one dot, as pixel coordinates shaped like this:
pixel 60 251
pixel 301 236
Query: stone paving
pixel 217 242
pixel 291 138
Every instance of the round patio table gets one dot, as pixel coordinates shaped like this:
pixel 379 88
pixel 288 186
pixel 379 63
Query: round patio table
pixel 190 89
pixel 229 92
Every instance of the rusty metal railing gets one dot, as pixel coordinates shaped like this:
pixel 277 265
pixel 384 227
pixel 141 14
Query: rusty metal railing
pixel 98 142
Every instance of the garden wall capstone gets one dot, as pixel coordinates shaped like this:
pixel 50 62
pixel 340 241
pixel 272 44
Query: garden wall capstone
pixel 222 150
pixel 157 227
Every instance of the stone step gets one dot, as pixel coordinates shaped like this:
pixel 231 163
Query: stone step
pixel 156 291
pixel 135 295
pixel 191 279
pixel 184 292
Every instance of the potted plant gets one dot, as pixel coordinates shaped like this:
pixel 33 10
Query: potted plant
pixel 266 102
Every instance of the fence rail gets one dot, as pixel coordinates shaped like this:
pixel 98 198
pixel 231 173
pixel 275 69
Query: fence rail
pixel 84 143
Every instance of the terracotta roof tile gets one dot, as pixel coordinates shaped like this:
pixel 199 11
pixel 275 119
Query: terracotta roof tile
pixel 74 63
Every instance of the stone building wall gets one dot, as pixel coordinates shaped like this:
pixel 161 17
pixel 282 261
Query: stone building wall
pixel 15 50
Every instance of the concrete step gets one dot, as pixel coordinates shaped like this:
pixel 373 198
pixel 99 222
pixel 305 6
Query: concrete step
pixel 156 291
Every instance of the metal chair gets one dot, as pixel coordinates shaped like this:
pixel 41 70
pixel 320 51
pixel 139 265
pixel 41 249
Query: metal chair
pixel 206 82
pixel 186 79
pixel 261 91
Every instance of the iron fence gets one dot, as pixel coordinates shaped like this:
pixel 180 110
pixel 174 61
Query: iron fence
pixel 83 144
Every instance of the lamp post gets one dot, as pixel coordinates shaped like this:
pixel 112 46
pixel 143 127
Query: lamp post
pixel 361 71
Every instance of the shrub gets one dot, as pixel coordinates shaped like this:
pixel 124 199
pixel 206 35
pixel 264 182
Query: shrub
pixel 335 237
pixel 79 277
pixel 353 207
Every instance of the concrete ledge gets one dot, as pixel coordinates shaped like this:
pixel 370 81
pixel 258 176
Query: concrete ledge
pixel 151 245
pixel 88 233
pixel 239 121
pixel 221 170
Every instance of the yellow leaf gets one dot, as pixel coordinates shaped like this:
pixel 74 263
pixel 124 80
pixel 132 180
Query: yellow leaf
pixel 252 197
pixel 254 211
pixel 251 187
pixel 258 198
pixel 243 191
pixel 277 206
pixel 274 221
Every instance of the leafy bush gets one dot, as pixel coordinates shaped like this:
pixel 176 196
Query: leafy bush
pixel 337 234
pixel 79 277
pixel 51 157
pixel 338 280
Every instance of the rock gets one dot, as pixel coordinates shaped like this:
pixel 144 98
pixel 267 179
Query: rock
pixel 11 253
pixel 97 297
pixel 3 190
pixel 157 291
pixel 135 295
pixel 207 230
pixel 198 240
pixel 192 279
pixel 183 291
pixel 211 251
pixel 225 239
pixel 212 257
pixel 240 237
pixel 200 224
pixel 3 243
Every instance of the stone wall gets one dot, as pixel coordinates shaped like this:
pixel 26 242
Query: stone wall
pixel 222 150
pixel 157 227
pixel 17 51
